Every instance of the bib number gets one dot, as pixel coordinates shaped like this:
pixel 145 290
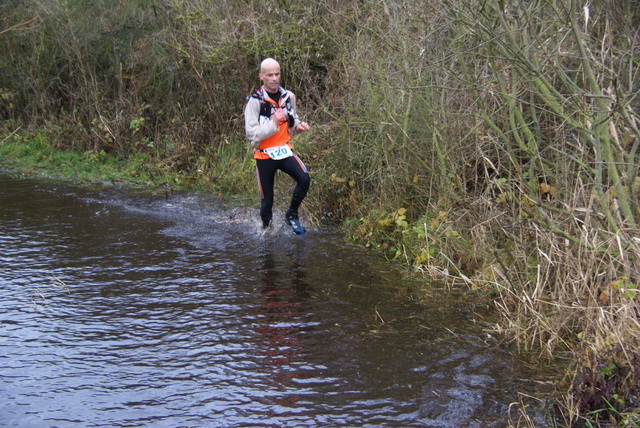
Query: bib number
pixel 279 152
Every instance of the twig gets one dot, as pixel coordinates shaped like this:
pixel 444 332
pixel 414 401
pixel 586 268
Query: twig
pixel 10 135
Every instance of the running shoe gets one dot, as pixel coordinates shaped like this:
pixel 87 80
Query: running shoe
pixel 291 218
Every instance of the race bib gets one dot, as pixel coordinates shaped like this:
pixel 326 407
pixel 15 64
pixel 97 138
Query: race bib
pixel 279 152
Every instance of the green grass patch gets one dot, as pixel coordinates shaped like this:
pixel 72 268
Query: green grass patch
pixel 227 172
pixel 34 154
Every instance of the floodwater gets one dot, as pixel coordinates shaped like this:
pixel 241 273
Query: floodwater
pixel 125 309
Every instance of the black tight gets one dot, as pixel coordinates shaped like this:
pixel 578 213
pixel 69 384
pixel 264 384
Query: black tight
pixel 266 172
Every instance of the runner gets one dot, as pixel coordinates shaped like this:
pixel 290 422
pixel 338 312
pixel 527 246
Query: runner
pixel 270 122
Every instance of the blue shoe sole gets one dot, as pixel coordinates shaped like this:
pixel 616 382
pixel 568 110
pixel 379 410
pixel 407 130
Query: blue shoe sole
pixel 297 228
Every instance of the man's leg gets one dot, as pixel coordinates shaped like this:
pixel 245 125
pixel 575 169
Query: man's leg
pixel 265 174
pixel 294 167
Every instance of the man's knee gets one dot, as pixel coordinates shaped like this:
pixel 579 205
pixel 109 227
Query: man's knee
pixel 305 180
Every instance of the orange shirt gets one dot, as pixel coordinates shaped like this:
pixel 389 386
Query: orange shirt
pixel 278 139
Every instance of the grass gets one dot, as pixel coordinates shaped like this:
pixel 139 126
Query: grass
pixel 36 153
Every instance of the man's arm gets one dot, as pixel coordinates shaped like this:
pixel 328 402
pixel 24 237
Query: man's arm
pixel 298 125
pixel 254 130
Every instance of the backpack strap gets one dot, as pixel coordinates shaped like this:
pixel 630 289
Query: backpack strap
pixel 266 106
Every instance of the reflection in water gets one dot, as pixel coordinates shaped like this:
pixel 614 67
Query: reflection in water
pixel 176 313
pixel 279 322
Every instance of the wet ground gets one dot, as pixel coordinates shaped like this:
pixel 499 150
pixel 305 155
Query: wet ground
pixel 124 309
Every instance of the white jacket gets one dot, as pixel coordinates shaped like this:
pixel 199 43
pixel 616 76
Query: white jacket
pixel 257 129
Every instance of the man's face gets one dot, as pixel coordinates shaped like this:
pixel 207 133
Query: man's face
pixel 270 76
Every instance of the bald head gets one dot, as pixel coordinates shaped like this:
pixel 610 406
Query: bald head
pixel 268 63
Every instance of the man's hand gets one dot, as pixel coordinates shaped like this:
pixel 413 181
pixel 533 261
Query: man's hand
pixel 279 116
pixel 302 127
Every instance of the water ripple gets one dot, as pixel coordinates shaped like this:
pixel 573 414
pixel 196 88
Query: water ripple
pixel 125 311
